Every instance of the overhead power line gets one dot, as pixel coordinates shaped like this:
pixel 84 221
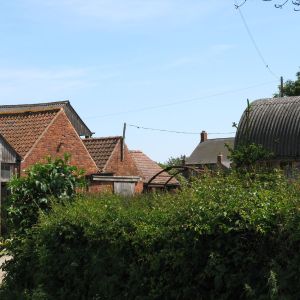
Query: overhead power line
pixel 175 131
pixel 181 101
pixel 263 60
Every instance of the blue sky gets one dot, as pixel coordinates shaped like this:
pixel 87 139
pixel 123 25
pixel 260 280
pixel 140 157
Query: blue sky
pixel 117 59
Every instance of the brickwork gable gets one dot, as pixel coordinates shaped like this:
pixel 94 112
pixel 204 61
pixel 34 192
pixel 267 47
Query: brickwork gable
pixel 59 138
pixel 126 167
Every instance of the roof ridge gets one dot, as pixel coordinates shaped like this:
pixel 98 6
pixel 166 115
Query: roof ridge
pixel 102 138
pixel 35 104
pixel 28 111
pixel 217 139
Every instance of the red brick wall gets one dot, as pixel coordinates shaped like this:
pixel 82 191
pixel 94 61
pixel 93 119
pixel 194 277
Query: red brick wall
pixel 61 138
pixel 100 187
pixel 126 167
pixel 139 187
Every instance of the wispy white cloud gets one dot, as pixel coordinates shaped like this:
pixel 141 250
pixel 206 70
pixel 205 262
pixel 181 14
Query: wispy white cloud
pixel 41 83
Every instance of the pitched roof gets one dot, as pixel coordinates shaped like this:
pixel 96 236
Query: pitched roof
pixel 101 149
pixel 147 168
pixel 21 129
pixel 74 118
pixel 207 152
pixel 273 123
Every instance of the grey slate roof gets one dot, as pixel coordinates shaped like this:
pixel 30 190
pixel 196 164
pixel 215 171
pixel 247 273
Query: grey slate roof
pixel 274 124
pixel 74 118
pixel 206 153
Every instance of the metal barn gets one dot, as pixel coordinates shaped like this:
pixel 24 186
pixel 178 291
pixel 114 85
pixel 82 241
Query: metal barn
pixel 274 124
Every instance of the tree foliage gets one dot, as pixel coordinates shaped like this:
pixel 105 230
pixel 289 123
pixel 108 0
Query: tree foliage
pixel 290 87
pixel 248 155
pixel 43 183
pixel 173 161
pixel 278 3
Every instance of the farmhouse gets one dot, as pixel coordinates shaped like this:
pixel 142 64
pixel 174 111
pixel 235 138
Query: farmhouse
pixel 273 123
pixel 211 153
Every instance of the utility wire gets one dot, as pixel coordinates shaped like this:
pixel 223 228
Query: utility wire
pixel 181 101
pixel 238 7
pixel 175 131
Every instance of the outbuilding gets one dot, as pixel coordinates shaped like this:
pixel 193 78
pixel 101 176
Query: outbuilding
pixel 9 165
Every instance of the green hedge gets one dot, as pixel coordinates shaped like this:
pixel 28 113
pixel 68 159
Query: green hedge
pixel 226 237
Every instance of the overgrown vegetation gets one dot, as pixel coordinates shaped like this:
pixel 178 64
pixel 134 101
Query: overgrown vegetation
pixel 44 183
pixel 247 155
pixel 225 237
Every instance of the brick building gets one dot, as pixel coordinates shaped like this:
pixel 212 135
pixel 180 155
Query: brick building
pixel 148 169
pixel 38 132
pixel 117 171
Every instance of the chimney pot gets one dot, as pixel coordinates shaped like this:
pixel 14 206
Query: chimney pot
pixel 203 136
pixel 220 158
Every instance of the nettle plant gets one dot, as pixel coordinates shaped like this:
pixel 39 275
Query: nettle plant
pixel 54 181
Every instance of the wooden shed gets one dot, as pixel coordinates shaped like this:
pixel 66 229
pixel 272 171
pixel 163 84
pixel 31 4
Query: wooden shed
pixel 9 165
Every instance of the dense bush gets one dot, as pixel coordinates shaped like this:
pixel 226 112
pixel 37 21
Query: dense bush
pixel 225 237
pixel 55 180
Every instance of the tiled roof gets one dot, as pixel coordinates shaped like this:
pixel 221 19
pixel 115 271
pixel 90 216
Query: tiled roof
pixel 74 118
pixel 147 168
pixel 21 129
pixel 101 149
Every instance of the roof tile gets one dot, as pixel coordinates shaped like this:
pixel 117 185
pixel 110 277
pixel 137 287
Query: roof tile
pixel 21 129
pixel 101 149
pixel 147 168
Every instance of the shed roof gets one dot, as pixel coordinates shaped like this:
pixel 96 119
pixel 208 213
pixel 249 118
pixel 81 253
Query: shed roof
pixel 206 153
pixel 274 123
pixel 147 168
pixel 74 118
pixel 101 149
pixel 21 129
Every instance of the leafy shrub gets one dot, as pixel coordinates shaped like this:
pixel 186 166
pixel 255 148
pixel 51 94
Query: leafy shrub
pixel 54 180
pixel 225 237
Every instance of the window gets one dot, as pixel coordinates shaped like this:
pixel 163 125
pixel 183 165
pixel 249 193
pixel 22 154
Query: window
pixel 7 170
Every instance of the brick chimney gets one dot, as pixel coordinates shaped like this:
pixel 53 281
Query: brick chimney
pixel 219 159
pixel 203 136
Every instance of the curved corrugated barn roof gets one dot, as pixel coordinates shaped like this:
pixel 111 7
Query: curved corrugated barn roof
pixel 275 124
